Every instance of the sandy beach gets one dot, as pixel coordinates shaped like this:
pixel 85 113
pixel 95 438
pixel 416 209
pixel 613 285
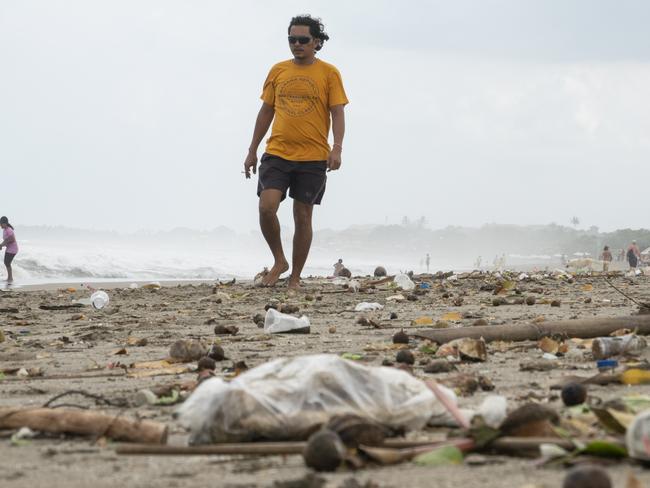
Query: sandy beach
pixel 95 350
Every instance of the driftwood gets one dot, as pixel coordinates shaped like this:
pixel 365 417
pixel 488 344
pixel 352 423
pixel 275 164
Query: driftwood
pixel 581 328
pixel 84 423
pixel 69 306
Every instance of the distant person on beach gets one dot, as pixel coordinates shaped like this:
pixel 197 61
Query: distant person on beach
pixel 10 245
pixel 633 255
pixel 338 267
pixel 606 257
pixel 427 260
pixel 300 96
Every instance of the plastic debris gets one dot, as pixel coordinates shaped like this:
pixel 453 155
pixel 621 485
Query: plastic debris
pixel 368 307
pixel 286 398
pixel 605 347
pixel 99 299
pixel 493 410
pixel 277 322
pixel 404 282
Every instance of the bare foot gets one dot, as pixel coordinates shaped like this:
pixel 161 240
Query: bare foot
pixel 294 284
pixel 273 275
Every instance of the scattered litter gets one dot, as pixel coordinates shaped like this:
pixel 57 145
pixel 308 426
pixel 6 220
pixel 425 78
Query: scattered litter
pixel 464 348
pixel 404 282
pixel 605 347
pixel 277 323
pixel 493 410
pixel 286 398
pixel 368 307
pixel 99 299
pixel 187 350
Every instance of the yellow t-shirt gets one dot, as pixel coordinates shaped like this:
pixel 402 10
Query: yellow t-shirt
pixel 302 96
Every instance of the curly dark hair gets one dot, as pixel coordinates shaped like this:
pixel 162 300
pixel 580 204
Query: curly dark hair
pixel 316 27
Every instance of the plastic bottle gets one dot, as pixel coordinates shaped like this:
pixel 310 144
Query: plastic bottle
pixel 605 347
pixel 99 299
pixel 277 322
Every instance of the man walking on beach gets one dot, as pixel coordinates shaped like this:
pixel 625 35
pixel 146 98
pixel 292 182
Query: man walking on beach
pixel 299 97
pixel 633 255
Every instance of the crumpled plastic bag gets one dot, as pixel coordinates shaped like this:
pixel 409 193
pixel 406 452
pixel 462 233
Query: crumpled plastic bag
pixel 404 282
pixel 288 398
pixel 277 322
pixel 368 307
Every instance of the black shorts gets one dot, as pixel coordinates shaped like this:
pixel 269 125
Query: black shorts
pixel 9 258
pixel 305 179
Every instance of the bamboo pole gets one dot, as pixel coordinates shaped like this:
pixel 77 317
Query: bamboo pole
pixel 581 328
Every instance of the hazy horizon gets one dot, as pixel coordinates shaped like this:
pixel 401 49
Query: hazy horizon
pixel 137 115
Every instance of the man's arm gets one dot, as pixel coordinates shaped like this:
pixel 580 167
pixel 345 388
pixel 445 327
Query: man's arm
pixel 262 124
pixel 338 131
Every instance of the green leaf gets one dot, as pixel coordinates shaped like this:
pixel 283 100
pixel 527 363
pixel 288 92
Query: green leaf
pixel 443 456
pixel 169 400
pixel 429 348
pixel 604 449
pixel 351 356
pixel 636 403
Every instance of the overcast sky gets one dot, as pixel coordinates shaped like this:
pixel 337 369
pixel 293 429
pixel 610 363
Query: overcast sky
pixel 137 114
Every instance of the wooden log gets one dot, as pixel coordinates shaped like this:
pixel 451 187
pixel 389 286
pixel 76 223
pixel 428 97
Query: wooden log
pixel 249 448
pixel 581 328
pixel 59 420
pixel 252 448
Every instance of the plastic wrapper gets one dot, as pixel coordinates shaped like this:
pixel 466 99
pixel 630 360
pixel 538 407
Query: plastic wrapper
pixel 637 437
pixel 288 398
pixel 277 322
pixel 404 282
pixel 368 307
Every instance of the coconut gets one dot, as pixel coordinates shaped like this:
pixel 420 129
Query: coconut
pixel 380 271
pixel 587 476
pixel 574 394
pixel 206 363
pixel 400 337
pixel 220 329
pixel 216 352
pixel 405 356
pixel 324 451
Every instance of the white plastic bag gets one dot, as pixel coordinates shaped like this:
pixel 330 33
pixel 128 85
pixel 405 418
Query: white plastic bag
pixel 404 282
pixel 286 399
pixel 277 322
pixel 368 307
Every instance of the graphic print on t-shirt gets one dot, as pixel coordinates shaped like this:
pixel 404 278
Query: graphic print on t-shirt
pixel 297 96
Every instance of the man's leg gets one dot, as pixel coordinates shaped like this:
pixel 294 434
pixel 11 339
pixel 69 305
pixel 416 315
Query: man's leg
pixel 270 225
pixel 302 213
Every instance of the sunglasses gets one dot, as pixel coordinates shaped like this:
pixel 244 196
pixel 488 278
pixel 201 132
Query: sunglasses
pixel 299 39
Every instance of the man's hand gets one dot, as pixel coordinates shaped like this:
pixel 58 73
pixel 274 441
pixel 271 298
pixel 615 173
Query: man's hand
pixel 251 162
pixel 334 159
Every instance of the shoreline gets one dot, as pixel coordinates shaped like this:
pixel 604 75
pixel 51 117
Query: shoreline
pixel 105 284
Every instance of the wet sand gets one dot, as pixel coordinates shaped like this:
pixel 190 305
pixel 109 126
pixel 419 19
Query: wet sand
pixel 77 349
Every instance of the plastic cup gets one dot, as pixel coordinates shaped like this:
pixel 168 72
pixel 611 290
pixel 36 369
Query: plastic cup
pixel 99 299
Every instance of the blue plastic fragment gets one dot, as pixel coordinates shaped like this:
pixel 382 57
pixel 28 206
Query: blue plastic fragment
pixel 607 364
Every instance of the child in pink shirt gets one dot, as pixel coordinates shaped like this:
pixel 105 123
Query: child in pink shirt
pixel 9 242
